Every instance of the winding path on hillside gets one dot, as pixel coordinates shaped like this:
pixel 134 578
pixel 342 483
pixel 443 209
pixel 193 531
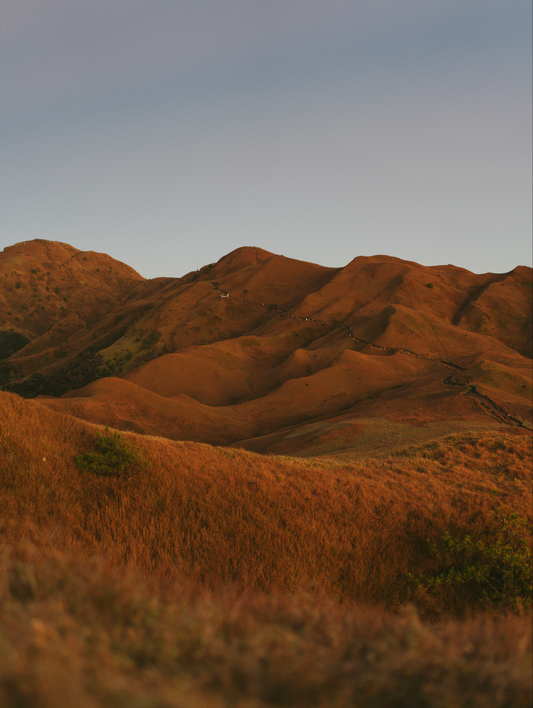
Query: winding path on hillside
pixel 492 408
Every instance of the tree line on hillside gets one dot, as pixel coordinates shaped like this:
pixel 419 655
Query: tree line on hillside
pixel 80 373
pixel 89 367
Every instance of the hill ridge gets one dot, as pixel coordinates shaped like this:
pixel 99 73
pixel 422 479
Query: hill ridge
pixel 256 339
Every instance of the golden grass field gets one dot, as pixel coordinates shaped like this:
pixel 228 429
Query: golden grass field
pixel 219 577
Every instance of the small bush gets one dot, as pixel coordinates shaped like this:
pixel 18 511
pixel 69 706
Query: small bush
pixel 494 569
pixel 151 339
pixel 114 456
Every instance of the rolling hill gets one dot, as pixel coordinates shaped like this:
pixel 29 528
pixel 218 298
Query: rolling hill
pixel 269 353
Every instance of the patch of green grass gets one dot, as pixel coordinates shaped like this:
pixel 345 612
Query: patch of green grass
pixel 114 456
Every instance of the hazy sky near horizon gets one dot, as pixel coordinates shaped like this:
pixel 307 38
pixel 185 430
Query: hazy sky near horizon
pixel 167 133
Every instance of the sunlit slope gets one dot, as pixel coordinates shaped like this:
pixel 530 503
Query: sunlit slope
pixel 61 300
pixel 43 282
pixel 497 305
pixel 260 521
pixel 125 406
pixel 259 343
pixel 372 340
pixel 206 576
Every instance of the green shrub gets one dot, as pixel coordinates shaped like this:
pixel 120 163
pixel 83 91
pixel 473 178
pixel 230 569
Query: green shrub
pixel 114 456
pixel 151 339
pixel 492 570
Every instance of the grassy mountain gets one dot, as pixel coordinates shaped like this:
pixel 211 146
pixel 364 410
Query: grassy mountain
pixel 270 353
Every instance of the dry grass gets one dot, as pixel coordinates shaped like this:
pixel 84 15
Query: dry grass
pixel 221 577
pixel 79 635
pixel 262 523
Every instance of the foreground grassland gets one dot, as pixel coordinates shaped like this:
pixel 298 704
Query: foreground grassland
pixel 215 577
pixel 78 634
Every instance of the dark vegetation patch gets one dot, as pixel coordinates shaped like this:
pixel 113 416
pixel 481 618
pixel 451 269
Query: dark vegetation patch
pixel 11 342
pixel 6 372
pixel 90 367
pixel 151 339
pixel 81 373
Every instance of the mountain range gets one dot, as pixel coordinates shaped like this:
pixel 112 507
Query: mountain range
pixel 268 353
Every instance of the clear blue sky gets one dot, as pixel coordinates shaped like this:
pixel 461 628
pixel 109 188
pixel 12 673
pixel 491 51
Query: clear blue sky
pixel 169 132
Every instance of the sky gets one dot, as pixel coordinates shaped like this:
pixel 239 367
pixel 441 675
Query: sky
pixel 168 133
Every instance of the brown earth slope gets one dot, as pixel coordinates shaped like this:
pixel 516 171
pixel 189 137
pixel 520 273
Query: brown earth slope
pixel 271 353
